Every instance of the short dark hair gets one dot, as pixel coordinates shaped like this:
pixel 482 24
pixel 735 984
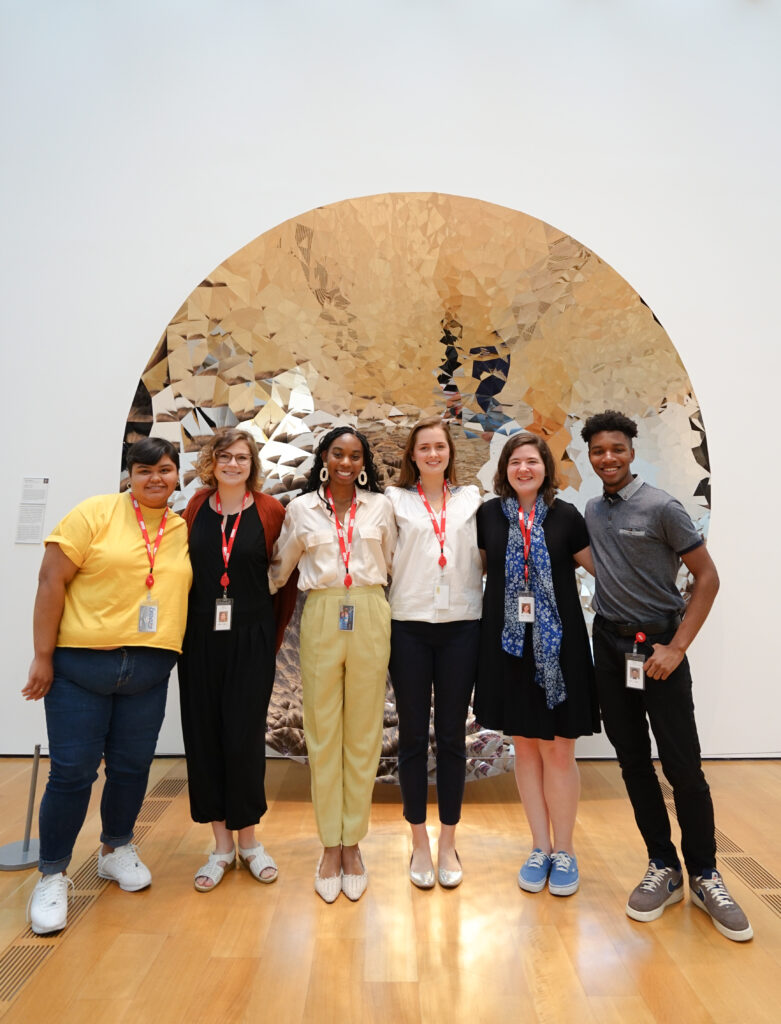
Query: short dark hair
pixel 610 419
pixel 222 439
pixel 550 484
pixel 148 452
pixel 313 481
pixel 408 473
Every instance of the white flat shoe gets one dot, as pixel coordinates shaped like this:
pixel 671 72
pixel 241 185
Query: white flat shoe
pixel 257 859
pixel 354 886
pixel 451 879
pixel 214 869
pixel 327 888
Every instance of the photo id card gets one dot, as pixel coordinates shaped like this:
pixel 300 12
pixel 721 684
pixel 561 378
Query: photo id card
pixel 147 616
pixel 525 606
pixel 635 672
pixel 441 597
pixel 223 613
pixel 347 617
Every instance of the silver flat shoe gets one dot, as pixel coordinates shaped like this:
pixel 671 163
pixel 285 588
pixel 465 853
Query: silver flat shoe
pixel 422 879
pixel 451 879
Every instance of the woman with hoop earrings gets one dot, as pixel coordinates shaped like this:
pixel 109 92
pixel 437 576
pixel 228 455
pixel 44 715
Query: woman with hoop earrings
pixel 341 533
pixel 436 599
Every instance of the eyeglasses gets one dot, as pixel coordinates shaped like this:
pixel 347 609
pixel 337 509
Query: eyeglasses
pixel 225 458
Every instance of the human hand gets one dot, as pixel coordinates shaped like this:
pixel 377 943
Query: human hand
pixel 664 661
pixel 39 679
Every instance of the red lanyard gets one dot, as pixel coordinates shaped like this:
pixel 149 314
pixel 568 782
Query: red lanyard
pixel 345 548
pixel 227 548
pixel 439 528
pixel 526 533
pixel 150 551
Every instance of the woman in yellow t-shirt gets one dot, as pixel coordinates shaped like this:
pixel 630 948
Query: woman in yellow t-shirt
pixel 108 623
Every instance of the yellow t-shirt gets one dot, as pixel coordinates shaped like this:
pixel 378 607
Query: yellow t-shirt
pixel 101 536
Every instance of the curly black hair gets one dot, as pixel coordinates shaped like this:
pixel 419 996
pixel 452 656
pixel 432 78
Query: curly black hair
pixel 610 419
pixel 313 482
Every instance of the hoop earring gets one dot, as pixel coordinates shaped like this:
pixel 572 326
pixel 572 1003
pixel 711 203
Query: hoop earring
pixel 363 478
pixel 323 475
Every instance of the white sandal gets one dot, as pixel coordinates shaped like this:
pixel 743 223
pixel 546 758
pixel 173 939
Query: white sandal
pixel 257 859
pixel 214 868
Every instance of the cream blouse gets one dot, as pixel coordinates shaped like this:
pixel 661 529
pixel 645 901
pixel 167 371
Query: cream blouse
pixel 309 540
pixel 416 567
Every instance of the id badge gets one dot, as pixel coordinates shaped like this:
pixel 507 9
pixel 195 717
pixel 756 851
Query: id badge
pixel 347 617
pixel 635 672
pixel 525 606
pixel 223 613
pixel 441 597
pixel 147 616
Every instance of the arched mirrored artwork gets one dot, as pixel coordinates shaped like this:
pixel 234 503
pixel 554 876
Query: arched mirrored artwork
pixel 378 310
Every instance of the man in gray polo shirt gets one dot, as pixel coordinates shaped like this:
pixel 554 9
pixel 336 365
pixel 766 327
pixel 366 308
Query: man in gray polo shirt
pixel 639 535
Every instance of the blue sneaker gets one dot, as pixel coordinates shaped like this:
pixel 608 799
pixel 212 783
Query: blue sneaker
pixel 534 873
pixel 564 878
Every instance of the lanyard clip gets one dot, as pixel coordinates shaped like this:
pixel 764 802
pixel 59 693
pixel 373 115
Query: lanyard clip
pixel 640 638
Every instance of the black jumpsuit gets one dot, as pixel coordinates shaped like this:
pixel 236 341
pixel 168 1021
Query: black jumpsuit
pixel 226 678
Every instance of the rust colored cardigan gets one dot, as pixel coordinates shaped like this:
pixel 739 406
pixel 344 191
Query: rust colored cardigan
pixel 271 514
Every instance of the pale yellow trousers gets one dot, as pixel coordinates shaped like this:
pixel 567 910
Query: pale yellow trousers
pixel 343 677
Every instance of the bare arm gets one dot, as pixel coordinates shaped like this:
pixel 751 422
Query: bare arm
pixel 584 559
pixel 667 657
pixel 57 570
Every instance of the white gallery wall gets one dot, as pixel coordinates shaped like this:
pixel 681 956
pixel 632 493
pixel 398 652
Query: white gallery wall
pixel 144 143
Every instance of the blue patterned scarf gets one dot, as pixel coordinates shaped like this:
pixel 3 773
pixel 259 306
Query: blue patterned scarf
pixel 546 629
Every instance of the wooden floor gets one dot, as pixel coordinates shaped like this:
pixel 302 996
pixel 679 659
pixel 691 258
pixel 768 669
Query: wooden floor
pixel 485 952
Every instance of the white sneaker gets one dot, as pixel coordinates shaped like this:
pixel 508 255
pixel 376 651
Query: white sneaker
pixel 125 867
pixel 47 909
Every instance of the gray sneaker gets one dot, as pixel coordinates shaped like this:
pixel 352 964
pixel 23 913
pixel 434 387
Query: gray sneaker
pixel 660 887
pixel 710 894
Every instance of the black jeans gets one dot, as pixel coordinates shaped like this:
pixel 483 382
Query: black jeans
pixel 445 654
pixel 668 705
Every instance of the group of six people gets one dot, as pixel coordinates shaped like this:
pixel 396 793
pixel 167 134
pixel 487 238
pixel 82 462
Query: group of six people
pixel 112 615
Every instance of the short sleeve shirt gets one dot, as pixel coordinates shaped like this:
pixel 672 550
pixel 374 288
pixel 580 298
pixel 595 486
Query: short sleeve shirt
pixel 637 537
pixel 101 536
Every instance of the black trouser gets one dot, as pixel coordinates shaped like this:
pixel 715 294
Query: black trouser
pixel 445 654
pixel 668 705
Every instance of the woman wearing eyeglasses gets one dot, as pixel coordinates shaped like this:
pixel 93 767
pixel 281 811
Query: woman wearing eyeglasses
pixel 226 672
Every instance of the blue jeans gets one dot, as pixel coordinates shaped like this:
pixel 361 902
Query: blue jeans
pixel 101 704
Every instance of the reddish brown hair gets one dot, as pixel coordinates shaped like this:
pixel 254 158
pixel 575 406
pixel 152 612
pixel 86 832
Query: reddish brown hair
pixel 408 474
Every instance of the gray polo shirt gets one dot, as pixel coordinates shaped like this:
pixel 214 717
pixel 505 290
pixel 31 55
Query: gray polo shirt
pixel 637 537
